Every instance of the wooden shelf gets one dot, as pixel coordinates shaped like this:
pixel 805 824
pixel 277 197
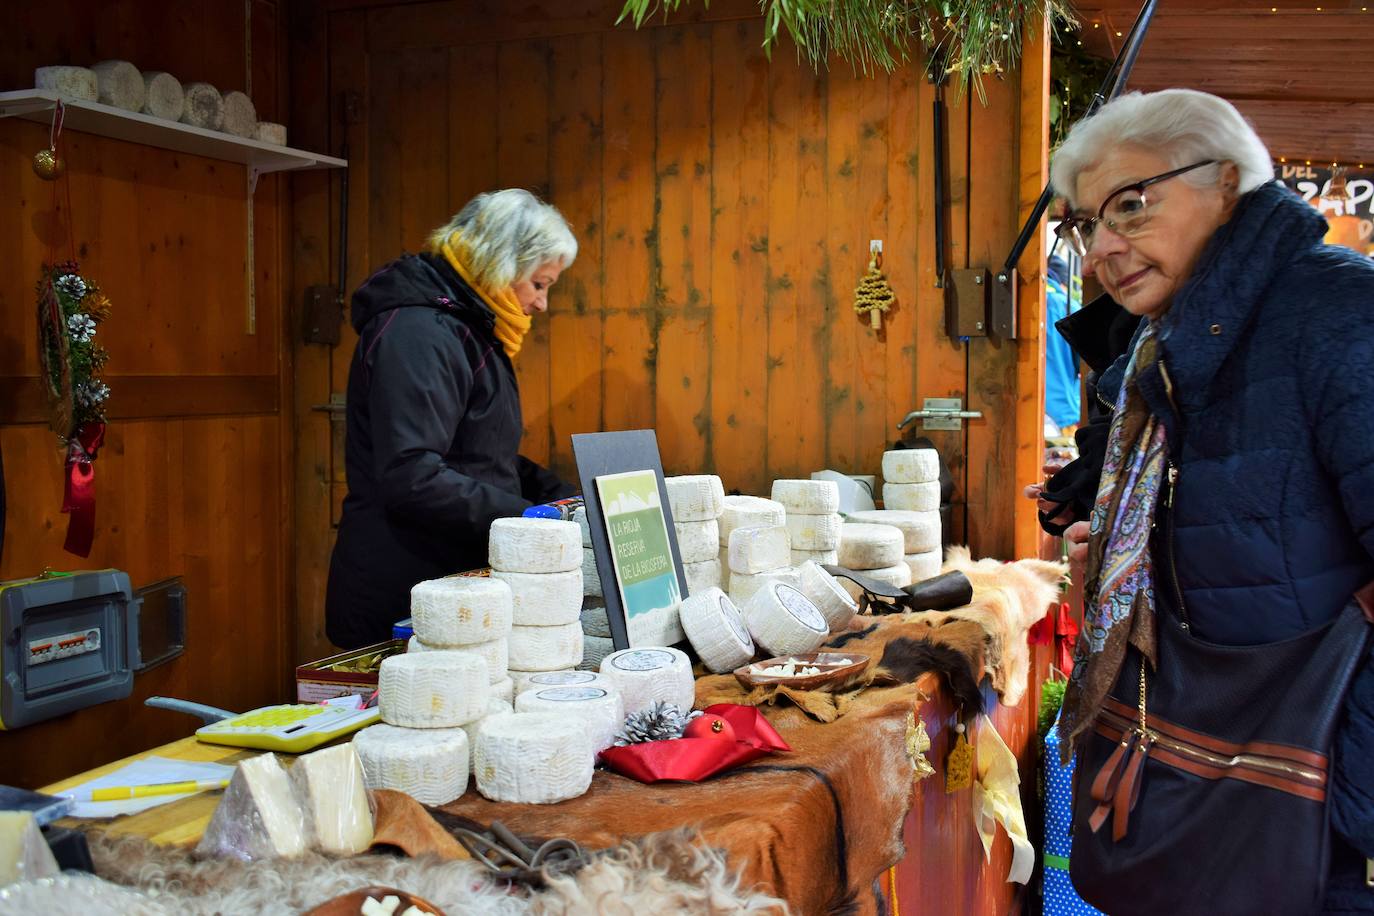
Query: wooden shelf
pixel 94 118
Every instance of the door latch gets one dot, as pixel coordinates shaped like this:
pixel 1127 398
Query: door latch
pixel 941 413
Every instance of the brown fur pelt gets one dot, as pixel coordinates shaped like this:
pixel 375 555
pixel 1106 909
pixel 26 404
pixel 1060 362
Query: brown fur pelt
pixel 665 872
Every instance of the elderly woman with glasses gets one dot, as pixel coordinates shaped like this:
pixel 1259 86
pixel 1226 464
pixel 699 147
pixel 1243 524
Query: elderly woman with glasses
pixel 1236 502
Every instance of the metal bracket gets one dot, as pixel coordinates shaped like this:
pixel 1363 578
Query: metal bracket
pixel 941 413
pixel 981 305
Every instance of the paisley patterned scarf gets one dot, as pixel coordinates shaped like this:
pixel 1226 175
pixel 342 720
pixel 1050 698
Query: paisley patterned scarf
pixel 1118 594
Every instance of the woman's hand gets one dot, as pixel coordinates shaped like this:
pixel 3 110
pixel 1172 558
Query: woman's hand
pixel 1036 491
pixel 1077 538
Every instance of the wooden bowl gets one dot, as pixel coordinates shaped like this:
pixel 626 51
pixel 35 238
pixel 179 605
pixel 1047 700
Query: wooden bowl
pixel 838 671
pixel 352 904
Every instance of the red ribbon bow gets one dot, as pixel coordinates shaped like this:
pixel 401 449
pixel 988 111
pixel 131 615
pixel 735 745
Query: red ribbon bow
pixel 79 497
pixel 695 759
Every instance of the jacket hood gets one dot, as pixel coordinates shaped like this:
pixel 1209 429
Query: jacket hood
pixel 418 280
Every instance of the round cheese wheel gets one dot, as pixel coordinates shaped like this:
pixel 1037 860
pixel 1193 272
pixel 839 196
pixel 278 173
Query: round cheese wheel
pixel 647 675
pixel 546 648
pixel 437 689
pixel 120 84
pixel 535 545
pixel 695 497
pixel 569 677
pixel 204 106
pixel 865 546
pixel 697 541
pixel 163 96
pixel 749 512
pixel 597 705
pixel 703 575
pixel 271 132
pixel 494 654
pixel 584 523
pixel 594 651
pixel 756 550
pixel 71 83
pixel 784 621
pixel 807 497
pixel 533 758
pixel 543 599
pixel 824 557
pixel 912 497
pixel 830 598
pixel 591 575
pixel 504 690
pixel 595 623
pixel 897 576
pixel 240 115
pixel 920 530
pixel 911 465
pixel 744 586
pixel 716 630
pixel 925 565
pixel 725 568
pixel 428 764
pixel 814 532
pixel 460 611
pixel 494 709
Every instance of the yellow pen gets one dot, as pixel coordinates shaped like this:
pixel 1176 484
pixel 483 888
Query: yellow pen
pixel 120 793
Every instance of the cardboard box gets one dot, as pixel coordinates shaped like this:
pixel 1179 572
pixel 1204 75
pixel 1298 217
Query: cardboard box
pixel 318 681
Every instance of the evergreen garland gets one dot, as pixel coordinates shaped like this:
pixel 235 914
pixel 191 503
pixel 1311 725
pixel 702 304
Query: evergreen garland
pixel 69 309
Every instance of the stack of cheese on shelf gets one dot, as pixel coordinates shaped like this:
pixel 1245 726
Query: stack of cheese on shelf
pixel 875 550
pixel 470 615
pixel 540 560
pixel 596 630
pixel 911 501
pixel 813 518
pixel 745 512
pixel 697 502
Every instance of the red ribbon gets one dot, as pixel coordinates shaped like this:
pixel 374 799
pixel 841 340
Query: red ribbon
pixel 1067 629
pixel 79 497
pixel 695 759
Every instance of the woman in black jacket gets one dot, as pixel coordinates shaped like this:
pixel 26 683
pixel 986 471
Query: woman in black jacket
pixel 434 421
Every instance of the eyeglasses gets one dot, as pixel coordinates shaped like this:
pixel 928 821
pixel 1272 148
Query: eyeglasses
pixel 1125 212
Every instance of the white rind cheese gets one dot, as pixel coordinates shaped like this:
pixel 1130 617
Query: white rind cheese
pixel 591 575
pixel 716 630
pixel 503 690
pixel 703 575
pixel 595 622
pixel 77 84
pixel 597 705
pixel 494 654
pixel 756 550
pixel 749 512
pixel 535 545
pixel 460 611
pixel 202 106
pixel 829 597
pixel 744 586
pixel 259 817
pixel 546 648
pixel 430 765
pixel 920 530
pixel 594 651
pixel 925 565
pixel 912 497
pixel 333 791
pixel 647 675
pixel 695 498
pixel 725 567
pixel 568 677
pixel 584 523
pixel 911 465
pixel 497 708
pixel 163 96
pixel 807 497
pixel 867 546
pixel 543 599
pixel 897 576
pixel 437 688
pixel 697 541
pixel 533 758
pixel 824 557
pixel 814 532
pixel 120 84
pixel 783 621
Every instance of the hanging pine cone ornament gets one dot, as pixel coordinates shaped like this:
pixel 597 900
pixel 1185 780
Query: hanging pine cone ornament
pixel 874 295
pixel 659 722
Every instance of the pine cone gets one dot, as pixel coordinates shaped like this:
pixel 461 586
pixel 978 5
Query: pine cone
pixel 660 722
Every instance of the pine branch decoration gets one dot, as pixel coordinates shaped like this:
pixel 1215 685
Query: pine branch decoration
pixel 660 722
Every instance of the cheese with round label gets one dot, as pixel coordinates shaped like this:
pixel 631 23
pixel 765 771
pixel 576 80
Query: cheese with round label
pixel 597 705
pixel 744 586
pixel 495 654
pixel 591 575
pixel 783 621
pixel 695 497
pixel 568 677
pixel 920 530
pixel 535 545
pixel 829 597
pixel 594 649
pixel 912 497
pixel 460 611
pixel 756 550
pixel 807 497
pixel 749 512
pixel 546 648
pixel 428 764
pixel 867 546
pixel 595 622
pixel 534 758
pixel 924 565
pixel 647 675
pixel 439 688
pixel 814 532
pixel 543 599
pixel 584 523
pixel 897 576
pixel 911 465
pixel 697 541
pixel 824 557
pixel 703 575
pixel 716 630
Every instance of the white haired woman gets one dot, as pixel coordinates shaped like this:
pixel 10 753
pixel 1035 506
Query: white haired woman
pixel 434 422
pixel 1235 509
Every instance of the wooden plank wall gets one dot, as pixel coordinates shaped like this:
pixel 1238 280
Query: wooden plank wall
pixel 194 477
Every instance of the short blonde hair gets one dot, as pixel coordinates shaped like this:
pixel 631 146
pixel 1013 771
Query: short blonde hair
pixel 508 235
pixel 1181 125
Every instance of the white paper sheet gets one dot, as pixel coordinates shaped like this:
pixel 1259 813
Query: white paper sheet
pixel 149 771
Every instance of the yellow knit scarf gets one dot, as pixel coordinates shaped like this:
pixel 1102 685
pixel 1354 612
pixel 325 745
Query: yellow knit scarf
pixel 511 321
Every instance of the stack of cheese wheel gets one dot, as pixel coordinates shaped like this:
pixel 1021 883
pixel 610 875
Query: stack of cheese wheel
pixel 813 518
pixel 646 675
pixel 467 614
pixel 534 757
pixel 758 556
pixel 745 512
pixel 420 748
pixel 875 550
pixel 697 502
pixel 596 629
pixel 541 561
pixel 594 699
pixel 921 531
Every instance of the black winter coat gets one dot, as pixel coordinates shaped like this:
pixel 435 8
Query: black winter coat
pixel 434 429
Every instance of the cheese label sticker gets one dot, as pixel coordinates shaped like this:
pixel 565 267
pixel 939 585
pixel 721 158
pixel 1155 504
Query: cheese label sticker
pixel 643 660
pixel 800 607
pixel 571 694
pixel 732 617
pixel 561 678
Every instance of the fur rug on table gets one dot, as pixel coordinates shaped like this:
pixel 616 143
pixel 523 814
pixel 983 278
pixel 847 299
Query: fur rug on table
pixel 663 873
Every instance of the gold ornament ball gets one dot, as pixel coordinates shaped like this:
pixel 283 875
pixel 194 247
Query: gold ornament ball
pixel 47 165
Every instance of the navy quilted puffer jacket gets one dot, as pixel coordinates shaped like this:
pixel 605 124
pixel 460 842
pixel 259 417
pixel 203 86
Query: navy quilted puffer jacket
pixel 1269 349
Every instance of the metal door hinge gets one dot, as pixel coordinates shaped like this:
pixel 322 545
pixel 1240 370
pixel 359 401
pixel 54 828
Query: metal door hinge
pixel 941 413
